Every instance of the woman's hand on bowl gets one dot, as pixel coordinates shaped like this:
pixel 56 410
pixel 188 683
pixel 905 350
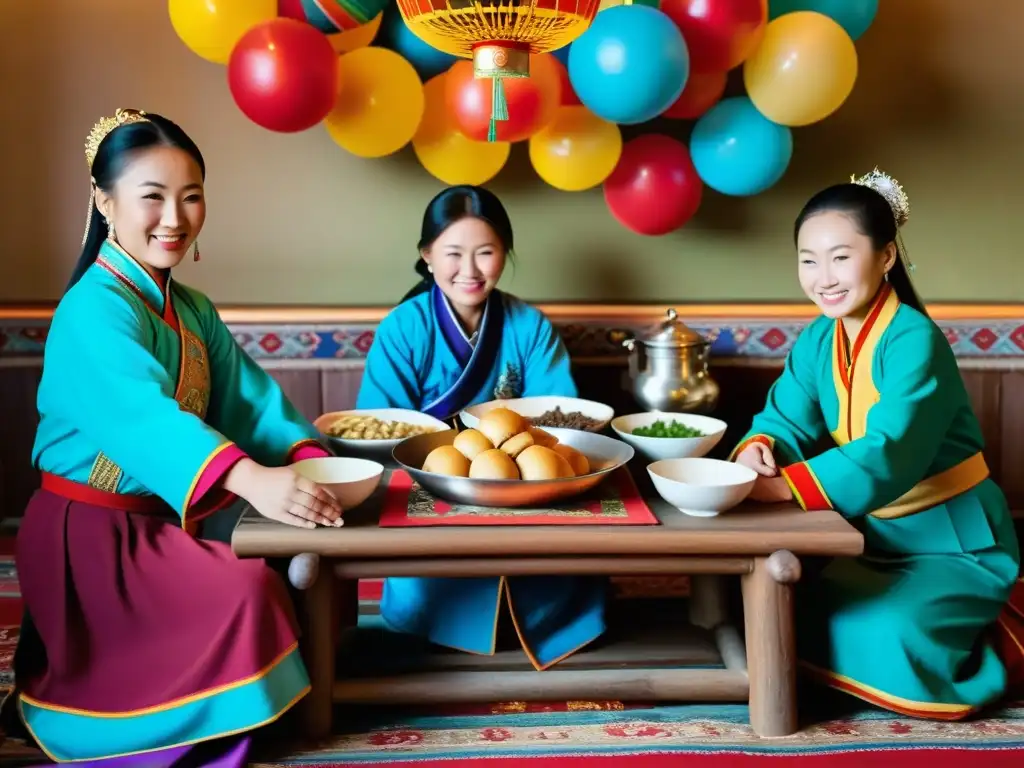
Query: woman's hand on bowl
pixel 771 490
pixel 759 457
pixel 281 494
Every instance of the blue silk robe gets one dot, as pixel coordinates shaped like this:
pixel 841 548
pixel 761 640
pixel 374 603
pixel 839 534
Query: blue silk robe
pixel 420 359
pixel 905 625
pixel 164 409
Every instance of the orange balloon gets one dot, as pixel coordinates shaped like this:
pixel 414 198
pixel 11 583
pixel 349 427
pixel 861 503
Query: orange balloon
pixel 569 97
pixel 803 70
pixel 532 100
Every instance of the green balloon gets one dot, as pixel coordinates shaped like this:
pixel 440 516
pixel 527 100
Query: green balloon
pixel 855 16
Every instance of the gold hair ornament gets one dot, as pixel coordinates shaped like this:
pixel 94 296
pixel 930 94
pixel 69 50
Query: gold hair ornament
pixel 892 191
pixel 102 129
pixel 99 132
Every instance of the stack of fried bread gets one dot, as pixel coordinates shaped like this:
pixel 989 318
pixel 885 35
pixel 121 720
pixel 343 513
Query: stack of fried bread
pixel 505 447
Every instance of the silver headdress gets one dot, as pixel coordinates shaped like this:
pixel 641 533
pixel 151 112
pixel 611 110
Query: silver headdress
pixel 892 191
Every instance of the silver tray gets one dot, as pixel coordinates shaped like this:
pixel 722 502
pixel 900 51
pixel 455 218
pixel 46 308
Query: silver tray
pixel 606 454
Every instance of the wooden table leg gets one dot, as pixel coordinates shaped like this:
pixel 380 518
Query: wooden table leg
pixel 771 643
pixel 318 641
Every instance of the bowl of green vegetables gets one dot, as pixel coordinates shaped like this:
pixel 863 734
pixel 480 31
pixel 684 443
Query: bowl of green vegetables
pixel 657 435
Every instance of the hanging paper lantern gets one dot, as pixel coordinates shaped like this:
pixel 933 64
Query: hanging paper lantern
pixel 498 35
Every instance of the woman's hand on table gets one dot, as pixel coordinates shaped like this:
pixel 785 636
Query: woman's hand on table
pixel 771 490
pixel 281 494
pixel 759 458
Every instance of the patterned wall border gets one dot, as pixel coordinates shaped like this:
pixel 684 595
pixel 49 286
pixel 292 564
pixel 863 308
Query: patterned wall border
pixel 594 331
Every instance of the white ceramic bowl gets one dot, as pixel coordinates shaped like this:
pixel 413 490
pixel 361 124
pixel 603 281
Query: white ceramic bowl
pixel 701 487
pixel 379 450
pixel 658 448
pixel 352 481
pixel 532 407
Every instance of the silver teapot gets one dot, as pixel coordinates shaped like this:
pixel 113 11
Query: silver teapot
pixel 668 369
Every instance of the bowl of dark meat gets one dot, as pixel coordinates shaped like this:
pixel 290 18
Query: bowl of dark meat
pixel 548 412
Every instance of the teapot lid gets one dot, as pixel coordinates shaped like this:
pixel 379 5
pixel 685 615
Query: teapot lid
pixel 673 332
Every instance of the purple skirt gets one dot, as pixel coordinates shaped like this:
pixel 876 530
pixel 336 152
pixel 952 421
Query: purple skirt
pixel 128 612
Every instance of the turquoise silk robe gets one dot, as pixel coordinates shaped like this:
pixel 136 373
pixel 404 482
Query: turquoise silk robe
pixel 152 374
pixel 414 363
pixel 165 406
pixel 905 626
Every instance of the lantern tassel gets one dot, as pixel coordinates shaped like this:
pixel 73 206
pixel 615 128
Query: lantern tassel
pixel 499 107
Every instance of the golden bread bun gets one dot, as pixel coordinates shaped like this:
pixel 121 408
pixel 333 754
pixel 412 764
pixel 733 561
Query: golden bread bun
pixel 516 445
pixel 540 463
pixel 493 465
pixel 499 424
pixel 471 443
pixel 446 460
pixel 580 464
pixel 540 437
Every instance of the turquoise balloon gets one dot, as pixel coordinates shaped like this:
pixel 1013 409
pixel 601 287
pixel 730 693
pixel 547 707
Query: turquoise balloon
pixel 396 35
pixel 630 65
pixel 738 151
pixel 855 16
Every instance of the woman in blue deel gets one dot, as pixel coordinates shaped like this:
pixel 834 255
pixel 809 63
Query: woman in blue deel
pixel 454 341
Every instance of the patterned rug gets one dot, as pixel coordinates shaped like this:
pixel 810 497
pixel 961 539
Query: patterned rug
pixel 584 734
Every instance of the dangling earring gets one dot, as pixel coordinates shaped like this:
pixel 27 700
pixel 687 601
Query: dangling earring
pixel 195 250
pixel 886 277
pixel 111 234
pixel 430 269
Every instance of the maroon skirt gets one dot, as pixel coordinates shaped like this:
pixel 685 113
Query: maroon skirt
pixel 127 611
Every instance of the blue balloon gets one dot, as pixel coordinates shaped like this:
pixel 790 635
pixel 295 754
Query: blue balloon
pixel 562 54
pixel 395 35
pixel 737 150
pixel 630 65
pixel 855 16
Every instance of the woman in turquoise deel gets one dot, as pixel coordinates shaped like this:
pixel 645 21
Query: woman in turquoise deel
pixel 910 625
pixel 454 341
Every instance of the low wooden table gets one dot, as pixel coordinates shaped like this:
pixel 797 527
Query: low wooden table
pixel 760 544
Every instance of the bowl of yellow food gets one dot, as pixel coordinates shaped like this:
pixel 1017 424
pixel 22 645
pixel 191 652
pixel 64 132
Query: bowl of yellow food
pixel 507 462
pixel 374 433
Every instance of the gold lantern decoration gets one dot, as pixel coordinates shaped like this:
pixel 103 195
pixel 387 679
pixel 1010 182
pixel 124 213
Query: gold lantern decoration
pixel 498 35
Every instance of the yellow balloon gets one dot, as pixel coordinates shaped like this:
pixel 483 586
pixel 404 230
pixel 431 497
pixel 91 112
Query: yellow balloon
pixel 803 70
pixel 211 28
pixel 577 150
pixel 380 103
pixel 360 37
pixel 448 155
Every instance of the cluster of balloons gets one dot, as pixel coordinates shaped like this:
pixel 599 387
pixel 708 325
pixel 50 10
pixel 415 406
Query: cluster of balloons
pixel 638 63
pixel 355 67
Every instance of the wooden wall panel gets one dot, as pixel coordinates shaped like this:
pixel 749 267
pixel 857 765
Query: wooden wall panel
pixel 1011 467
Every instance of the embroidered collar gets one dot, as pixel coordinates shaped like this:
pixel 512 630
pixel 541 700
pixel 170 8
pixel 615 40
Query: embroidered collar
pixel 471 340
pixel 137 278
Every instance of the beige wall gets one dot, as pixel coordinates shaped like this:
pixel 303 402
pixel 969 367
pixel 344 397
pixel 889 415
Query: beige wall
pixel 294 219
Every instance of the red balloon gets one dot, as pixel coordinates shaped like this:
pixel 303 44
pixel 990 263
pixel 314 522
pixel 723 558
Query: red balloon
pixel 283 75
pixel 569 97
pixel 532 101
pixel 291 9
pixel 720 34
pixel 655 188
pixel 701 93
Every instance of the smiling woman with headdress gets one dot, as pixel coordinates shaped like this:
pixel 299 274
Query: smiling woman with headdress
pixel 908 625
pixel 139 637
